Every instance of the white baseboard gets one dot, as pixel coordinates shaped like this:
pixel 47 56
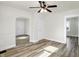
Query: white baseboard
pixel 34 41
pixel 8 47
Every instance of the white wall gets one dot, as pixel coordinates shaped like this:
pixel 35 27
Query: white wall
pixel 8 17
pixel 38 28
pixel 27 26
pixel 55 25
pixel 43 25
pixel 20 26
pixel 50 25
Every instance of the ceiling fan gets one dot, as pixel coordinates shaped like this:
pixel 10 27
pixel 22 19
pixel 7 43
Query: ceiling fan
pixel 44 6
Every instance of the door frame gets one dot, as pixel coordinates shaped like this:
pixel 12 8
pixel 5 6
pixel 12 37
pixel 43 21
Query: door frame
pixel 26 19
pixel 69 16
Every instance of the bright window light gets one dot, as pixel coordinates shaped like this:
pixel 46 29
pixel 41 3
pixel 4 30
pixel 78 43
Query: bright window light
pixel 47 51
pixel 21 37
pixel 43 54
pixel 51 49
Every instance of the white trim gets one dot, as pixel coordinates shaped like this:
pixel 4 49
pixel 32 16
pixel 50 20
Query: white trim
pixel 69 16
pixel 65 28
pixel 5 48
pixel 32 40
pixel 56 40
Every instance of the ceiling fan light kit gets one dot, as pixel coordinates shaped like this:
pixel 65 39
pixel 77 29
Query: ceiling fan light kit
pixel 44 7
pixel 43 10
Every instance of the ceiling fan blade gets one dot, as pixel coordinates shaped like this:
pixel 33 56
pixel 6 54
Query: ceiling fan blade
pixel 40 2
pixel 34 7
pixel 39 11
pixel 48 10
pixel 51 6
pixel 44 3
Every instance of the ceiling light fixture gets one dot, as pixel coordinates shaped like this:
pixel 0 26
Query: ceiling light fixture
pixel 44 7
pixel 43 10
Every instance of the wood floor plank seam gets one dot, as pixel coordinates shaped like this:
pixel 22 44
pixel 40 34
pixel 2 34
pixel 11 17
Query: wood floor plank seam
pixel 32 49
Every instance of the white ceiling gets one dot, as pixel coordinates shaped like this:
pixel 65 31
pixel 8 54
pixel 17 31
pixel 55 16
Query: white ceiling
pixel 24 5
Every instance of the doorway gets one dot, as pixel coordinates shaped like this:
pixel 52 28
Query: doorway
pixel 22 29
pixel 72 25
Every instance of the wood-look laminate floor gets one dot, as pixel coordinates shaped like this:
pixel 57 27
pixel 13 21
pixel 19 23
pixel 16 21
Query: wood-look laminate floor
pixel 34 49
